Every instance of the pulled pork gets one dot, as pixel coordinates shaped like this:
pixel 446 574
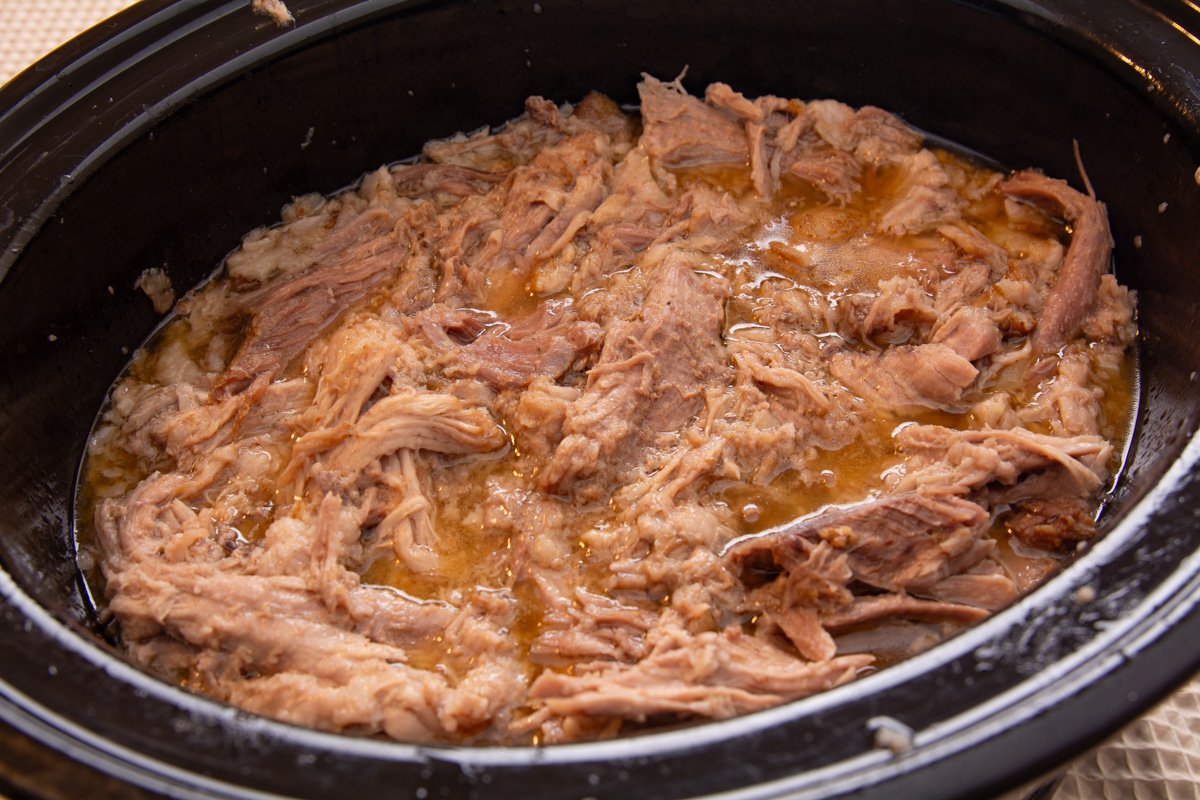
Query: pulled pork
pixel 563 430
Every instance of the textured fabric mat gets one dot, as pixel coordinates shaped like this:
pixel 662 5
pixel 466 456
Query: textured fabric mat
pixel 31 28
pixel 1157 756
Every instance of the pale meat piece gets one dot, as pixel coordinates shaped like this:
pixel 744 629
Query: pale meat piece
pixel 714 674
pixel 649 379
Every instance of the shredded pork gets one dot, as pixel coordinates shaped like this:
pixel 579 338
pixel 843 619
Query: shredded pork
pixel 565 429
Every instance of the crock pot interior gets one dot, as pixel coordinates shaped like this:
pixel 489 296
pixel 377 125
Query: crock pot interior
pixel 1005 82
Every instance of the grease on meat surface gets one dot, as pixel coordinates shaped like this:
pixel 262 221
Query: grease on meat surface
pixel 569 428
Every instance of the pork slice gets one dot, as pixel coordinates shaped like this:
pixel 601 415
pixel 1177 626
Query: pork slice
pixel 537 421
pixel 681 131
pixel 781 407
pixel 926 198
pixel 543 206
pixel 511 362
pixel 1074 292
pixel 721 95
pixel 892 640
pixel 961 288
pixel 290 313
pixel 761 119
pixel 590 185
pixel 1068 399
pixel 685 467
pixel 275 409
pixel 898 543
pixel 599 112
pixel 876 608
pixel 209 606
pixel 900 311
pixel 715 675
pixel 872 134
pixel 899 378
pixel 313 228
pixel 649 378
pixel 352 682
pixel 146 414
pixel 623 225
pixel 1113 318
pixel 970 332
pixel 813 584
pixel 144 523
pixel 406 420
pixel 765 365
pixel 1010 465
pixel 986 586
pixel 971 241
pixel 406 518
pixel 446 328
pixel 353 365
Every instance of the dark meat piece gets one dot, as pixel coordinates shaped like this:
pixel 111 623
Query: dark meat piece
pixel 1049 524
pixel 1074 292
pixel 930 375
pixel 903 542
pixel 289 313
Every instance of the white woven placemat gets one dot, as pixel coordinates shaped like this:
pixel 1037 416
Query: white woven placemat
pixel 31 28
pixel 1157 756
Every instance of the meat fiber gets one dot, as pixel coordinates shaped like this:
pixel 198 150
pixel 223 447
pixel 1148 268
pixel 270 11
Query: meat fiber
pixel 650 377
pixel 1074 292
pixel 588 423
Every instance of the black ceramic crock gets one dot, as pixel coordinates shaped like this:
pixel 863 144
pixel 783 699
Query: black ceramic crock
pixel 158 138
